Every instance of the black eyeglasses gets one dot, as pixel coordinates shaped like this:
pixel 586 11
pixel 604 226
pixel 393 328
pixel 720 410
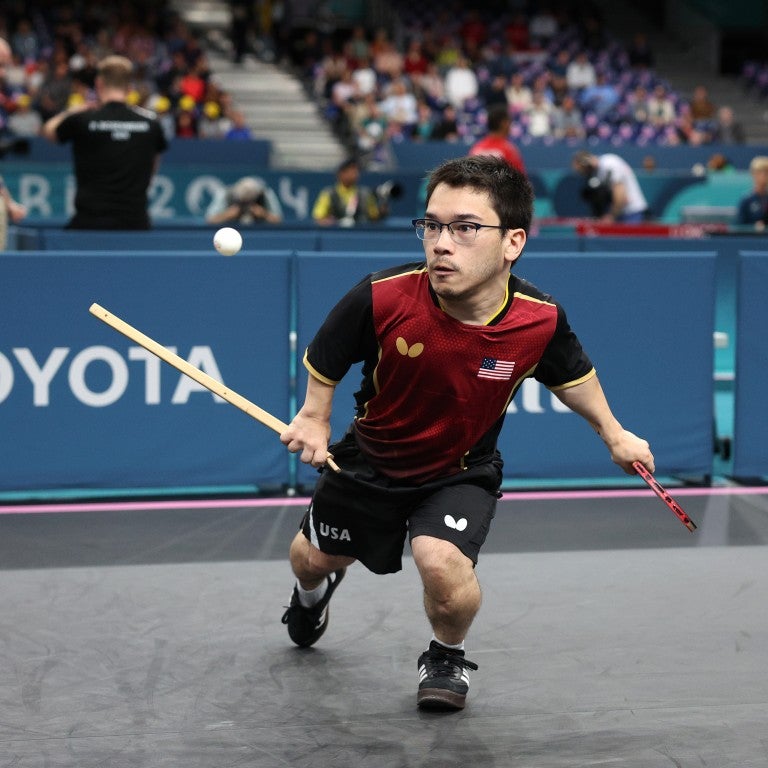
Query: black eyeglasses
pixel 461 232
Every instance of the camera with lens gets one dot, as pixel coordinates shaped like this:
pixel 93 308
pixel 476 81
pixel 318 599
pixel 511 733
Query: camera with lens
pixel 388 190
pixel 598 195
pixel 246 193
pixel 13 145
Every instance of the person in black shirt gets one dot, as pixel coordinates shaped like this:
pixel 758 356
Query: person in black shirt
pixel 116 150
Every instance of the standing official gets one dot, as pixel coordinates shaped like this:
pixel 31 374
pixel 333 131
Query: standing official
pixel 116 150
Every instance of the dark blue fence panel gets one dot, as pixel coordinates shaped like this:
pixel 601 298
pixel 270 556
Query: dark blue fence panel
pixel 81 406
pixel 647 322
pixel 750 446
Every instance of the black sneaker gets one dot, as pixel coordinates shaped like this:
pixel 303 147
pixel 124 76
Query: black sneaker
pixel 443 678
pixel 306 625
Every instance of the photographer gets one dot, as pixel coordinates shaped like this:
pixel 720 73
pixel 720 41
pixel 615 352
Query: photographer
pixel 347 203
pixel 247 201
pixel 612 189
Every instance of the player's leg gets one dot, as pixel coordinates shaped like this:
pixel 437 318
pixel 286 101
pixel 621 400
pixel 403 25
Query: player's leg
pixel 349 519
pixel 311 566
pixel 451 599
pixel 317 576
pixel 451 590
pixel 447 532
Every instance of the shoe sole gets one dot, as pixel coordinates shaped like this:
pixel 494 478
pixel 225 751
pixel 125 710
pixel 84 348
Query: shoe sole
pixel 440 699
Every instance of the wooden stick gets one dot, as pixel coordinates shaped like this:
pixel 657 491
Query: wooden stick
pixel 196 374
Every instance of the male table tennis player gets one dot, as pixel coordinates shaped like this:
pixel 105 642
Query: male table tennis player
pixel 445 344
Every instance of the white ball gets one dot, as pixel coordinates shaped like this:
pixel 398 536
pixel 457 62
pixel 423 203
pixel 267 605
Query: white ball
pixel 227 241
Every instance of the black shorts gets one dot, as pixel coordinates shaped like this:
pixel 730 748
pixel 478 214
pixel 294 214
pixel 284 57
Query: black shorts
pixel 363 514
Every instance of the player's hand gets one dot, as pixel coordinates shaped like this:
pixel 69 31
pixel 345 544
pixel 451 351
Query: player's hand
pixel 309 436
pixel 628 448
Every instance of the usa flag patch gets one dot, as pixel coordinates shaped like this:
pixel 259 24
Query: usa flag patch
pixel 491 368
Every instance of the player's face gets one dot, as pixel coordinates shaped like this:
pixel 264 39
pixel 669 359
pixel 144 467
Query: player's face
pixel 475 272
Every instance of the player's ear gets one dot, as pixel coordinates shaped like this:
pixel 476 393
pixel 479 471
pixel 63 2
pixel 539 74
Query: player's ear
pixel 514 242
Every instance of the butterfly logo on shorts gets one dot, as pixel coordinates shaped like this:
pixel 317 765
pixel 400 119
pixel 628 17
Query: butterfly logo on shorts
pixel 413 351
pixel 458 525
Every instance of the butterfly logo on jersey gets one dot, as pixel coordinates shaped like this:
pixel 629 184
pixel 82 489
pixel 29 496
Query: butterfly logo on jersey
pixel 413 351
pixel 457 525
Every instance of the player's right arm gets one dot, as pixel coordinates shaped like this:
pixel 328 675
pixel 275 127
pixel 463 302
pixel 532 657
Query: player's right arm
pixel 310 430
pixel 339 342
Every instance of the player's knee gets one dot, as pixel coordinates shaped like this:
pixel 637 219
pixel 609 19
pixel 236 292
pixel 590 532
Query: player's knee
pixel 308 562
pixel 443 567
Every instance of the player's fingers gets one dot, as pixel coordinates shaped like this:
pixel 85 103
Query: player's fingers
pixel 646 460
pixel 319 458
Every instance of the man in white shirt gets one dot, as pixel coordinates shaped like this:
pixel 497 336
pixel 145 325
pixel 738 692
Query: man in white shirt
pixel 580 73
pixel 461 83
pixel 612 187
pixel 400 105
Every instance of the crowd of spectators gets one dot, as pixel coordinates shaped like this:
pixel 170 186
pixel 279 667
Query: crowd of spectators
pixel 754 75
pixel 561 76
pixel 55 48
pixel 558 72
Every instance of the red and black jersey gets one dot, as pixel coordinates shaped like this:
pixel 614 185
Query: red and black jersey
pixel 435 390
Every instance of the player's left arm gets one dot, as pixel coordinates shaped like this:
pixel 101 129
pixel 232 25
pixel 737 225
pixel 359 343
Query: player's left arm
pixel 588 400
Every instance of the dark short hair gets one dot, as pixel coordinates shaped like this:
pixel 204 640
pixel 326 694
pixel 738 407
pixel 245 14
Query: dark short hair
pixel 509 190
pixel 350 162
pixel 497 116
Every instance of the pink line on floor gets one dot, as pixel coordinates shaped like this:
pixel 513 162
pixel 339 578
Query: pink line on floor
pixel 298 501
pixel 627 493
pixel 150 505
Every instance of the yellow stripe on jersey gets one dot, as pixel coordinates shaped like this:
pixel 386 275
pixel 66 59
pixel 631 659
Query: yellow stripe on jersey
pixel 315 374
pixel 501 306
pixel 574 383
pixel 417 271
pixel 525 296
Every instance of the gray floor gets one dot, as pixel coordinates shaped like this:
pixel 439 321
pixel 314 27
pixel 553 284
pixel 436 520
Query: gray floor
pixel 152 638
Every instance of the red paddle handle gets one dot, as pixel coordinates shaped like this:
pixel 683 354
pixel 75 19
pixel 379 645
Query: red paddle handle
pixel 661 492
